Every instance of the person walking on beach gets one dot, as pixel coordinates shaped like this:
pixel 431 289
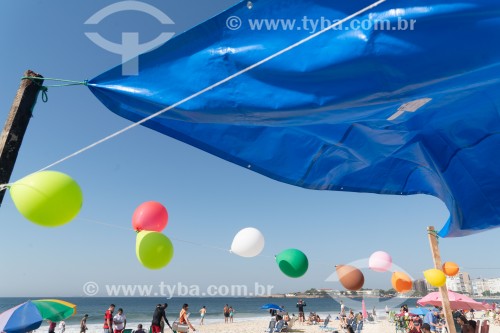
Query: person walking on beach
pixel 108 319
pixel 83 324
pixel 342 309
pixel 158 315
pixel 300 305
pixel 52 326
pixel 203 311
pixel 62 326
pixel 183 317
pixel 119 321
pixel 226 313
pixel 231 314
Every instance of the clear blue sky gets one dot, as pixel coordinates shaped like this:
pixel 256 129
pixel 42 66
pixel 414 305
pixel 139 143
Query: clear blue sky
pixel 208 199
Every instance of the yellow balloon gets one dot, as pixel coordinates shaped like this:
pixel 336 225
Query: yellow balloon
pixel 153 249
pixel 47 198
pixel 435 277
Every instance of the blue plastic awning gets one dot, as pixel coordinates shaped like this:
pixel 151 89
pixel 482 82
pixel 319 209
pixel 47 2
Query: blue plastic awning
pixel 371 106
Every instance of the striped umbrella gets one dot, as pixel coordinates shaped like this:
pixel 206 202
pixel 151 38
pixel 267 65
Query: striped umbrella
pixel 28 316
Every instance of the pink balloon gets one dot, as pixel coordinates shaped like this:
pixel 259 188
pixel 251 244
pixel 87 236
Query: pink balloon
pixel 380 261
pixel 150 216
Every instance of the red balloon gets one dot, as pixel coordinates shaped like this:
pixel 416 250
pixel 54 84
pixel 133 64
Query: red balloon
pixel 150 216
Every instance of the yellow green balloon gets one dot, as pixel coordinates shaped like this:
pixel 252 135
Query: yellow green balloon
pixel 435 277
pixel 47 198
pixel 153 249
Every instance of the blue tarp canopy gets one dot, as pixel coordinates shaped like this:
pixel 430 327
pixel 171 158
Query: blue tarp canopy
pixel 403 99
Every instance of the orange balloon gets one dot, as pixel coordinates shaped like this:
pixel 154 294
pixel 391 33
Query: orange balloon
pixel 350 277
pixel 401 282
pixel 450 268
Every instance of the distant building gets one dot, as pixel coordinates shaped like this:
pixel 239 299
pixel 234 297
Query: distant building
pixel 479 286
pixel 420 286
pixel 325 290
pixel 493 285
pixel 460 283
pixel 430 288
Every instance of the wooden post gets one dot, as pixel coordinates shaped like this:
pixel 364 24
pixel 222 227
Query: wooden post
pixel 16 125
pixel 436 256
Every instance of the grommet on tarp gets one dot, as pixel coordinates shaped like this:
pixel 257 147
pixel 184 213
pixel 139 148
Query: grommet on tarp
pixel 249 4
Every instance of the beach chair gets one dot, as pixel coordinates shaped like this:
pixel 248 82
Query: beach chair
pixel 127 330
pixel 279 326
pixel 485 326
pixel 271 326
pixel 324 327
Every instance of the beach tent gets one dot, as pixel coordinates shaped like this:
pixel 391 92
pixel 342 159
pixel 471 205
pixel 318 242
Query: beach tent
pixel 382 97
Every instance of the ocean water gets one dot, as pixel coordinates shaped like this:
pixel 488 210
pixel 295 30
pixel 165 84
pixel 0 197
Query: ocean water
pixel 140 309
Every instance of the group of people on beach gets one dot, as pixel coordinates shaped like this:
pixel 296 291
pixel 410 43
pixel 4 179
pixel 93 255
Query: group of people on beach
pixel 228 313
pixel 351 322
pixel 118 322
pixel 433 321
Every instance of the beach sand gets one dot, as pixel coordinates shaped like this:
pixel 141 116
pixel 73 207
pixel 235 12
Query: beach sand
pixel 260 326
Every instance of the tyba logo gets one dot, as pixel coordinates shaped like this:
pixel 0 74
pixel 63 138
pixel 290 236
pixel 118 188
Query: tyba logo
pixel 129 48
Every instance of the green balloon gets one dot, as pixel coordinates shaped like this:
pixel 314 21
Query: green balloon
pixel 47 198
pixel 292 262
pixel 153 249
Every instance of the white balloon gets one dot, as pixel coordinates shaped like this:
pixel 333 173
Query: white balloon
pixel 248 242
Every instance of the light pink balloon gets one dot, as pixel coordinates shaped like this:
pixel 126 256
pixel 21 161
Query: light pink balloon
pixel 150 216
pixel 380 261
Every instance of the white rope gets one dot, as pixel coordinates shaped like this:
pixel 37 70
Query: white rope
pixel 188 242
pixel 229 78
pixel 4 187
pixel 132 230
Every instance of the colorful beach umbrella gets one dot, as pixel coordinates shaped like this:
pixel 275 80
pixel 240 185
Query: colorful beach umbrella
pixel 457 301
pixel 29 316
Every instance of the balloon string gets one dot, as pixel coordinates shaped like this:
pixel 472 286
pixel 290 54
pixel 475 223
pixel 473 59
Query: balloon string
pixel 215 85
pixel 106 224
pixel 202 245
pixel 172 238
pixel 186 241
